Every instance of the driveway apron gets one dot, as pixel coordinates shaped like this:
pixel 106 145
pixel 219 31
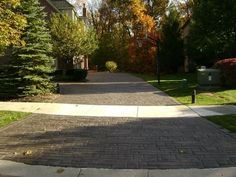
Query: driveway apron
pixel 118 143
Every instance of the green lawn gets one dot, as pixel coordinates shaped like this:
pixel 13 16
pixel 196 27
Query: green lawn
pixel 7 117
pixel 226 121
pixel 172 85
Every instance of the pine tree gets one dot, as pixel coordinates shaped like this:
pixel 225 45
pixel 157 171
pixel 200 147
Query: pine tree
pixel 171 46
pixel 32 62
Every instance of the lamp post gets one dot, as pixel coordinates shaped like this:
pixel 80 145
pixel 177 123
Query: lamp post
pixel 156 43
pixel 158 61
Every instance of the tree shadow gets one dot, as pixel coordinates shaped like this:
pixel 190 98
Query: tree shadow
pixel 101 83
pixel 105 88
pixel 118 143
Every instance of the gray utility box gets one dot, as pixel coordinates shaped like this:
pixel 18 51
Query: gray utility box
pixel 209 77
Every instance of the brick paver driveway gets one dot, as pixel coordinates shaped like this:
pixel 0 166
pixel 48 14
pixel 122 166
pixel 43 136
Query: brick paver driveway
pixel 97 142
pixel 113 89
pixel 118 143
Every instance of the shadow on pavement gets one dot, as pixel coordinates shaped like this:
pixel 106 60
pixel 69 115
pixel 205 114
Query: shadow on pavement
pixel 118 143
pixel 102 88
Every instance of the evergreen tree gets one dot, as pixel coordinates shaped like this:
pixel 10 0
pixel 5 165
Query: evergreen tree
pixel 32 63
pixel 171 46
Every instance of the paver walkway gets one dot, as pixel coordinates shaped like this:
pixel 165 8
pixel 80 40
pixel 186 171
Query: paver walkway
pixel 121 143
pixel 113 89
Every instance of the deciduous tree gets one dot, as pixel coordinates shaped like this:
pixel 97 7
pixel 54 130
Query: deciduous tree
pixel 12 22
pixel 213 31
pixel 71 38
pixel 119 23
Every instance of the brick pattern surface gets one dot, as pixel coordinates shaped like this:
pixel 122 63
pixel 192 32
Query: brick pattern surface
pixel 105 88
pixel 118 143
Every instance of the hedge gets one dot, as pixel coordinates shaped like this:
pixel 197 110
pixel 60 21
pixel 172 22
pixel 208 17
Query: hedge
pixel 70 75
pixel 228 71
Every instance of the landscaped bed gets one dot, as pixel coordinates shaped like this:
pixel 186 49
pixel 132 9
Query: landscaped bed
pixel 7 117
pixel 173 85
pixel 46 98
pixel 225 121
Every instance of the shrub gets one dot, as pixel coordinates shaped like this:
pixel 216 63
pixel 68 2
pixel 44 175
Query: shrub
pixel 228 71
pixel 71 75
pixel 111 66
pixel 80 74
pixel 8 83
pixel 58 72
pixel 70 72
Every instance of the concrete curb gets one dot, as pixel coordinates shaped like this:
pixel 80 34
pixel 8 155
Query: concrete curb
pixel 13 169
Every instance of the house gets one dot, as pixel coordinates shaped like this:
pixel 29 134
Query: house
pixel 66 8
pixel 49 8
pixel 63 6
pixel 58 6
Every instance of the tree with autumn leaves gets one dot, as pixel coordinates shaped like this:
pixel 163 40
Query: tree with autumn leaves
pixel 12 22
pixel 119 24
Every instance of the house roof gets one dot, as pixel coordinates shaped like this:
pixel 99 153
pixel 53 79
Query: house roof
pixel 52 5
pixel 62 4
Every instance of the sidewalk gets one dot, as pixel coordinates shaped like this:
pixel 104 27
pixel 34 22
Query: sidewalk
pixel 118 111
pixel 214 110
pixel 12 169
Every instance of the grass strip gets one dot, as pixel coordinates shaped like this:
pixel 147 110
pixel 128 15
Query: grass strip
pixel 7 117
pixel 226 121
pixel 174 86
